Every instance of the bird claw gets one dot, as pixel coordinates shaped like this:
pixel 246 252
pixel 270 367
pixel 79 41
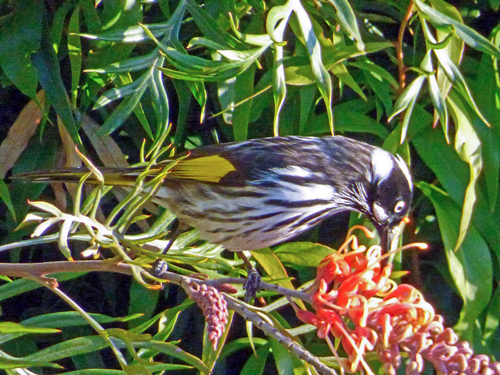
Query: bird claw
pixel 253 285
pixel 159 267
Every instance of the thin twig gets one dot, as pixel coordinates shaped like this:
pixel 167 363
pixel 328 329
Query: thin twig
pixel 399 47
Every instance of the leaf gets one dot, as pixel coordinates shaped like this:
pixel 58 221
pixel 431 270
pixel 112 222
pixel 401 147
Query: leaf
pixel 347 20
pixel 341 72
pixel 468 147
pixel 10 327
pixel 129 65
pixel 106 148
pixel 19 39
pixel 226 93
pixel 454 75
pixel 159 101
pixel 286 361
pixel 75 53
pixel 24 285
pixel 406 102
pixel 322 77
pixel 467 34
pixel 453 175
pixel 306 254
pixel 487 94
pixel 5 197
pixel 272 265
pixel 20 133
pixel 256 363
pixel 125 108
pixel 470 266
pixel 47 65
pixel 131 34
pixel 278 15
pixel 439 103
pixel 241 115
pixel 210 27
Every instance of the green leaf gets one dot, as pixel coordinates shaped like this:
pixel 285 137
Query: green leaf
pixel 210 27
pixel 286 361
pixel 5 197
pixel 487 94
pixel 271 264
pixel 468 147
pixel 10 327
pixel 174 351
pixel 226 93
pixel 80 345
pixel 159 101
pixel 241 115
pixel 305 254
pixel 131 34
pixel 141 300
pixel 279 86
pixel 340 71
pixel 453 175
pixel 240 344
pixel 439 103
pixel 470 266
pixel 492 320
pixel 120 113
pixel 123 91
pixel 407 96
pixel 75 53
pixel 73 318
pixel 468 35
pixel 381 88
pixel 58 24
pixel 256 363
pixel 129 65
pixel 19 39
pixel 323 79
pixel 406 102
pixel 49 72
pixel 347 20
pixel 454 75
pixel 24 285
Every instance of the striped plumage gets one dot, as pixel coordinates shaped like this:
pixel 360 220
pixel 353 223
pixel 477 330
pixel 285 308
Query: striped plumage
pixel 257 193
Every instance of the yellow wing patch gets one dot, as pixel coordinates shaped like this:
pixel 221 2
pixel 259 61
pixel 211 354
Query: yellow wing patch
pixel 206 168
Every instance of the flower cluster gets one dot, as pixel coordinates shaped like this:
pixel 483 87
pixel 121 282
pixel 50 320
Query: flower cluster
pixel 214 307
pixel 356 302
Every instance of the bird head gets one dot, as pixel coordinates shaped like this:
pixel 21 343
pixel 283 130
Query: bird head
pixel 389 199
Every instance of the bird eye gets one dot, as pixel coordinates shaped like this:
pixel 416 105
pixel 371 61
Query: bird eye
pixel 399 207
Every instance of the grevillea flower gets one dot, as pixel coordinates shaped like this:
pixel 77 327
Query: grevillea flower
pixel 355 301
pixel 214 307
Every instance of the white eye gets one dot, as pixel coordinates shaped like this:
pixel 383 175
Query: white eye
pixel 399 207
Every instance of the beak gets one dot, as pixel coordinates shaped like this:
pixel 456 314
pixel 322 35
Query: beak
pixel 389 236
pixel 386 239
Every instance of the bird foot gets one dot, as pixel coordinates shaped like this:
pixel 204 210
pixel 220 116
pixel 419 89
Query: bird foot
pixel 159 267
pixel 253 285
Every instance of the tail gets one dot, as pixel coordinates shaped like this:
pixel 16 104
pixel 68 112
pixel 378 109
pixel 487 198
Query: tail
pixel 112 176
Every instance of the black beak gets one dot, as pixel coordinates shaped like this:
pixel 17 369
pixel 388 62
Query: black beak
pixel 388 239
pixel 385 241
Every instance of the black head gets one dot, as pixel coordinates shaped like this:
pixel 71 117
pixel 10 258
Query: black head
pixel 390 195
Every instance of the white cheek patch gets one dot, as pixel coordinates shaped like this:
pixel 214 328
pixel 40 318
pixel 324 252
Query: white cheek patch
pixel 382 165
pixel 379 212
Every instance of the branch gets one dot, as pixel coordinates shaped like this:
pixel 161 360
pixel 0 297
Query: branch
pixel 37 270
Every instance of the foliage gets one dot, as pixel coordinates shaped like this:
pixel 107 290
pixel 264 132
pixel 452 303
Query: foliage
pixel 417 78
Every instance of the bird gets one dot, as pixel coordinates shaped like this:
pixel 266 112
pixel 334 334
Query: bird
pixel 258 193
